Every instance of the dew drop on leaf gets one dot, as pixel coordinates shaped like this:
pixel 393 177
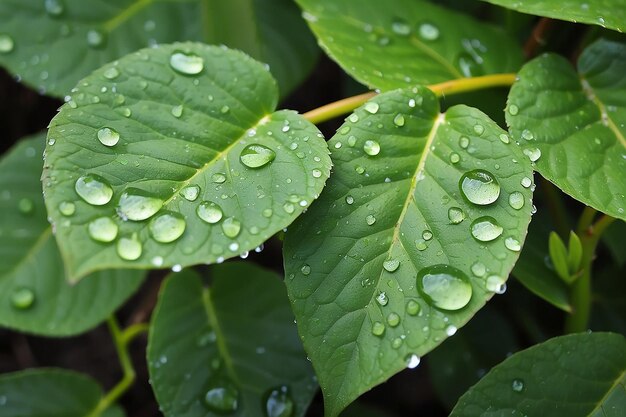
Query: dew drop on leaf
pixel 209 212
pixel 177 111
pixel 478 269
pixel 495 283
pixel 371 147
pixel 393 319
pixel 533 154
pixel 67 208
pixel 279 403
pixel 504 138
pixel 479 187
pixel 527 134
pixel 456 215
pixel 512 244
pixel 378 328
pixel 54 7
pixel 428 31
pixel 513 109
pixel 400 27
pixel 22 298
pixel 412 307
pixel 256 156
pixel 316 173
pixel 370 219
pixel 289 208
pixel 516 200
pixel 6 43
pixel 398 120
pixel 108 136
pixel 479 129
pixel 444 286
pixel 94 189
pixel 137 205
pixel 486 229
pixel 167 227
pixel 391 265
pixel 218 178
pixel 222 398
pixel 382 299
pixel 129 247
pixel 306 269
pixel 464 142
pixel 186 63
pixel 349 199
pixel 231 227
pixel 526 182
pixel 96 38
pixel 412 361
pixel 102 229
pixel 517 385
pixel 371 107
pixel 455 157
pixel 111 73
pixel 427 235
pixel 190 192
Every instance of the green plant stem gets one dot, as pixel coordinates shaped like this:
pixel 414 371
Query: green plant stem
pixel 121 339
pixel 462 85
pixel 589 235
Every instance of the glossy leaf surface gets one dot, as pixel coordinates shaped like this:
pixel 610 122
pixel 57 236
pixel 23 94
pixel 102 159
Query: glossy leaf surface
pixel 576 375
pixel 574 124
pixel 399 43
pixel 175 156
pixel 34 295
pixel 237 335
pixel 393 210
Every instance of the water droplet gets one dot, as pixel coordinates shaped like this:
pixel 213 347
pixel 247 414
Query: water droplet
pixel 516 200
pixel 527 134
pixel 479 129
pixel 413 307
pixel 479 187
pixel 231 227
pixel 412 361
pixel 393 319
pixel 371 107
pixel 464 142
pixel 306 269
pixel 177 111
pixel 486 229
pixel 167 227
pixel 351 140
pixel 108 136
pixel 94 189
pixel 517 385
pixel 218 178
pixel 103 229
pixel 428 31
pixel 96 38
pixel 454 157
pixel 370 219
pixel 451 330
pixel 267 212
pixel 111 73
pixel 129 248
pixel 400 27
pixel 512 244
pixel 190 192
pixel 371 147
pixel 349 199
pixel 279 403
pixel 444 286
pixel 396 343
pixel 186 63
pixel 420 244
pixel 222 398
pixel 398 120
pixel 25 205
pixel 6 43
pixel 382 299
pixel 533 154
pixel 427 235
pixel 504 138
pixel 456 215
pixel 289 208
pixel 316 173
pixel 478 269
pixel 67 208
pixel 391 265
pixel 513 109
pixel 353 117
pixel 378 328
pixel 22 298
pixel 526 182
pixel 157 261
pixel 209 212
pixel 495 283
pixel 256 156
pixel 359 169
pixel 54 7
pixel 137 205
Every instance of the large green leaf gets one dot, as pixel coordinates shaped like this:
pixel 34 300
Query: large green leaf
pixel 606 13
pixel 206 147
pixel 34 295
pixel 576 375
pixel 74 37
pixel 50 392
pixel 575 124
pixel 397 43
pixel 392 210
pixel 231 347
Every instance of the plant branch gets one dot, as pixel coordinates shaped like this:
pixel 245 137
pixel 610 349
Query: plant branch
pixel 537 37
pixel 461 85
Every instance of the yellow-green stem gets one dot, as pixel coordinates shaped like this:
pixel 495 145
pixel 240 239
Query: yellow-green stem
pixel 461 85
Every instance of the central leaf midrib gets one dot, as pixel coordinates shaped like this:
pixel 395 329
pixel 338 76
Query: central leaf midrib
pixel 593 97
pixel 617 382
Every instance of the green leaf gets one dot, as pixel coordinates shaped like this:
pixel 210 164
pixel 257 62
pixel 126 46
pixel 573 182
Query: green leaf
pixel 393 209
pixel 558 256
pixel 535 270
pixel 74 37
pixel 237 335
pixel 34 296
pixel 575 123
pixel 202 168
pixel 609 14
pixel 49 392
pixel 575 375
pixel 613 238
pixel 463 359
pixel 399 43
pixel 574 253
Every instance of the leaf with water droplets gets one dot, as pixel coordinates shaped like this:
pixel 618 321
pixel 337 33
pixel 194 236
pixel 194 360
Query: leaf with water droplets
pixel 228 348
pixel 34 295
pixel 190 188
pixel 408 205
pixel 590 367
pixel 610 14
pixel 578 123
pixel 74 37
pixel 397 43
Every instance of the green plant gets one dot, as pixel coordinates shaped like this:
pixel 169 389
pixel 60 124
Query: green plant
pixel 394 233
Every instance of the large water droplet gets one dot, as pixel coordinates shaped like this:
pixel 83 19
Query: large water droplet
pixel 129 248
pixel 111 73
pixel 190 192
pixel 54 7
pixel 526 182
pixel 177 111
pixel 464 142
pixel 516 200
pixel 279 403
pixel 428 31
pixel 478 269
pixel 513 109
pixel 378 328
pixel 103 229
pixel 495 283
pixel 444 286
pixel 22 298
pixel 209 212
pixel 398 120
pixel 306 269
pixel 533 154
pixel 371 147
pixel 256 156
pixel 400 27
pixel 67 208
pixel 391 265
pixel 413 307
pixel 371 107
pixel 512 244
pixel 527 134
pixel 96 38
pixel 94 189
pixel 108 136
pixel 349 199
pixel 486 229
pixel 393 319
pixel 167 227
pixel 412 361
pixel 186 63
pixel 479 187
pixel 222 398
pixel 370 219
pixel 427 235
pixel 231 227
pixel 6 43
pixel 456 215
pixel 382 299
pixel 137 205
pixel 517 385
pixel 218 178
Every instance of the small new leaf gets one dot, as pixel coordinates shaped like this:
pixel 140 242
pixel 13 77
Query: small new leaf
pixel 558 255
pixel 574 253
